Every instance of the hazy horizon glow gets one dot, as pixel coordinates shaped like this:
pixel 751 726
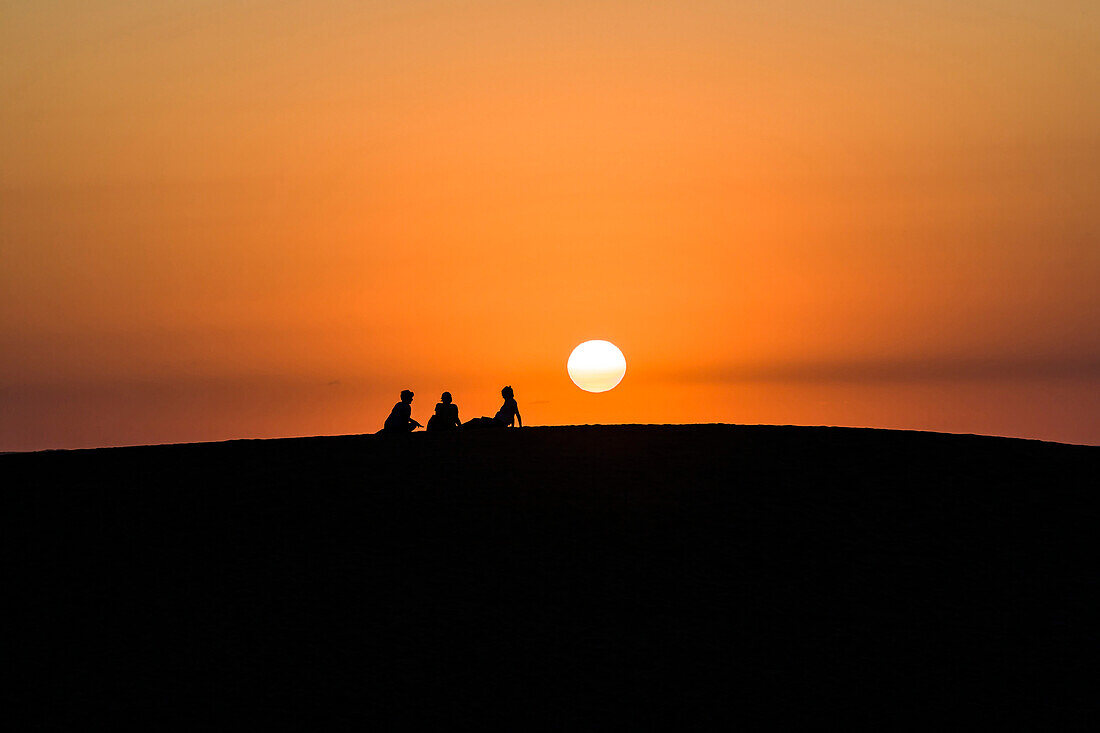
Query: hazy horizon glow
pixel 243 219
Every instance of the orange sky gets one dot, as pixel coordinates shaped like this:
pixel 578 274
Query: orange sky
pixel 257 219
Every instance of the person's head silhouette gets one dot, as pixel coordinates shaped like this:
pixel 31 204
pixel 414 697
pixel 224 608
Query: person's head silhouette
pixel 406 395
pixel 507 393
pixel 446 398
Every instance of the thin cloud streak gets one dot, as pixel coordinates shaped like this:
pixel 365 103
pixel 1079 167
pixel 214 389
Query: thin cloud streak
pixel 900 370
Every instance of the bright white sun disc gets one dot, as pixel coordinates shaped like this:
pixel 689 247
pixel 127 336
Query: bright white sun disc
pixel 596 366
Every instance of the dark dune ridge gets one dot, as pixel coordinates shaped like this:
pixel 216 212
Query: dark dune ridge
pixel 563 577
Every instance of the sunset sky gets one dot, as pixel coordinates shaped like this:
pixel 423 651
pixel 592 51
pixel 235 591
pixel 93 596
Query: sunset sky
pixel 262 219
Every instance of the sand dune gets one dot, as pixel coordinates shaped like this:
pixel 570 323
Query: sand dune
pixel 564 577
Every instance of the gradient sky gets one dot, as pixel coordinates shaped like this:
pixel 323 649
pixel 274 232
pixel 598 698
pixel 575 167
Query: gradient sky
pixel 259 219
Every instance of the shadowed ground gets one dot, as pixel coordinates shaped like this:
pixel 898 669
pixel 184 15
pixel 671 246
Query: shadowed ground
pixel 574 576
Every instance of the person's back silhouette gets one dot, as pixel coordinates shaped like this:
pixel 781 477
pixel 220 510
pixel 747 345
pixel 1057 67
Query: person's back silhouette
pixel 446 415
pixel 400 419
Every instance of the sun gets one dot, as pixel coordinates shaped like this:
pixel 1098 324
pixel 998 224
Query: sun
pixel 596 366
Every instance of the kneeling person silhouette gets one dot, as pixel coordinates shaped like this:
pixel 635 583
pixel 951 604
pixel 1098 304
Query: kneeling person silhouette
pixel 445 417
pixel 400 419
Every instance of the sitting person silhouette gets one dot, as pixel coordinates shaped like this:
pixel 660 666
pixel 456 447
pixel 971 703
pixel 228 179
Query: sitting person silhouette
pixel 400 419
pixel 506 416
pixel 445 417
pixel 508 413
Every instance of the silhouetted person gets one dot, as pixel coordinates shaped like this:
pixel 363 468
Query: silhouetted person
pixel 445 417
pixel 506 416
pixel 400 419
pixel 508 413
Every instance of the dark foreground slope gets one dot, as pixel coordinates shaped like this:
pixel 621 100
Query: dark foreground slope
pixel 562 576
